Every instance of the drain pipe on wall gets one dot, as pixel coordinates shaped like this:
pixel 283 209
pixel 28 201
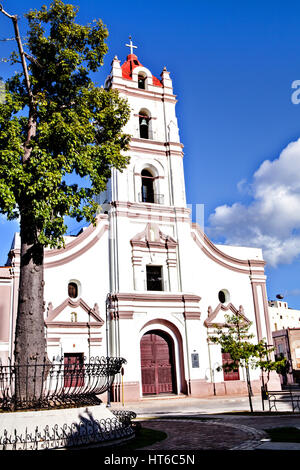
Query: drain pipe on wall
pixel 107 311
pixel 187 350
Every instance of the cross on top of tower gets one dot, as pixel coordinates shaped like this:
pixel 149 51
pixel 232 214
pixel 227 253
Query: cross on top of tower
pixel 131 45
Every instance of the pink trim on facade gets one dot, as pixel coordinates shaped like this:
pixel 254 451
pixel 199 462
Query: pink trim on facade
pixel 192 315
pixel 136 260
pixel 72 325
pixel 78 253
pixel 93 312
pixel 212 314
pixel 5 272
pixel 16 280
pixel 72 331
pixel 147 150
pixel 256 311
pixel 61 251
pixel 162 241
pixel 153 177
pixel 158 143
pixel 150 217
pixel 246 263
pixel 5 307
pixel 78 239
pixel 147 297
pixel 156 152
pixel 131 392
pixel 201 388
pixel 221 263
pixel 125 315
pixel 151 95
pixel 266 313
pixel 150 207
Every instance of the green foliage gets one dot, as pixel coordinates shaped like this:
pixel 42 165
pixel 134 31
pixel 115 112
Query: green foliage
pixel 77 126
pixel 235 338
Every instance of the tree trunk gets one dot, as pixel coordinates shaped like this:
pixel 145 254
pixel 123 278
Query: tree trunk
pixel 250 394
pixel 30 340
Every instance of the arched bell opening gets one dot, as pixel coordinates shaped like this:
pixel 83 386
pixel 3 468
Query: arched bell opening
pixel 144 125
pixel 147 186
pixel 142 81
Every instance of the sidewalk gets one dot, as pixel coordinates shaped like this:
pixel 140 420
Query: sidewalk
pixel 187 405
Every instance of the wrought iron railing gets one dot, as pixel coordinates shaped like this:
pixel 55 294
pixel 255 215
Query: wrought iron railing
pixel 84 433
pixel 60 383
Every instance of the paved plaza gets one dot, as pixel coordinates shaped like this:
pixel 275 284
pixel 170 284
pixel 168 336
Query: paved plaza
pixel 212 423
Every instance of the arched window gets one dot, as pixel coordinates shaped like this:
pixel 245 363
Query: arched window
pixel 141 81
pixel 73 317
pixel 147 186
pixel 72 290
pixel 144 121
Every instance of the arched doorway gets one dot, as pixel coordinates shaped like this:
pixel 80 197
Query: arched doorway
pixel 157 363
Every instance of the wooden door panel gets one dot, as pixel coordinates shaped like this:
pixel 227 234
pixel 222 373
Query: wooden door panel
pixel 156 363
pixel 148 380
pixel 165 379
pixel 229 374
pixel 73 370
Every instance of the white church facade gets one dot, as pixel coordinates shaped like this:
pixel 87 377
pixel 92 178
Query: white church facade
pixel 146 283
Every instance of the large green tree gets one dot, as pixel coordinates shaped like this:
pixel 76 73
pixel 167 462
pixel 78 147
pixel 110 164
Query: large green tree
pixel 54 123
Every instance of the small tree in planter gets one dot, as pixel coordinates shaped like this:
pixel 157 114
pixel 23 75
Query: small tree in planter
pixel 235 338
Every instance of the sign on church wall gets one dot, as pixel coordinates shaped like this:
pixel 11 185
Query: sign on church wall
pixel 195 360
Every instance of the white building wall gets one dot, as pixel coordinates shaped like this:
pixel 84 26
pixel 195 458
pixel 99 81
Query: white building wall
pixel 112 259
pixel 282 316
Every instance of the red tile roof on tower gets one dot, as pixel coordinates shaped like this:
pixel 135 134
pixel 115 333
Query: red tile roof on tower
pixel 131 63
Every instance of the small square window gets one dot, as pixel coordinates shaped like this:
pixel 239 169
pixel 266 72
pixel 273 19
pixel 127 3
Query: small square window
pixel 154 278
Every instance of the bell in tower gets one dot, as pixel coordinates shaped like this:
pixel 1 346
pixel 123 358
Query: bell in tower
pixel 144 126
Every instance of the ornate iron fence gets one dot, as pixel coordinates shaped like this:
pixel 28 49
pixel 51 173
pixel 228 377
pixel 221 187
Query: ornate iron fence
pixel 60 383
pixel 84 433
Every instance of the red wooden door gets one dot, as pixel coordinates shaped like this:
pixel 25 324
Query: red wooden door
pixel 73 370
pixel 156 362
pixel 229 374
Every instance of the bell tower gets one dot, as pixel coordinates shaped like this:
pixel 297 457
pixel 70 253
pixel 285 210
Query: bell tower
pixel 155 173
pixel 146 203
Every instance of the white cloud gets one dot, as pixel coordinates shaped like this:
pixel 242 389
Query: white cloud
pixel 272 220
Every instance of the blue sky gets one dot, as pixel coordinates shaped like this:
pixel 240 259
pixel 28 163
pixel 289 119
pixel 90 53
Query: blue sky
pixel 232 64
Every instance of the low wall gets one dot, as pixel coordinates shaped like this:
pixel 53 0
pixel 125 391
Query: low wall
pixel 60 428
pixel 200 388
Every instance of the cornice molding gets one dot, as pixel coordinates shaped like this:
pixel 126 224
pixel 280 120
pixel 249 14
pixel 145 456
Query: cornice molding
pixel 212 314
pixel 93 312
